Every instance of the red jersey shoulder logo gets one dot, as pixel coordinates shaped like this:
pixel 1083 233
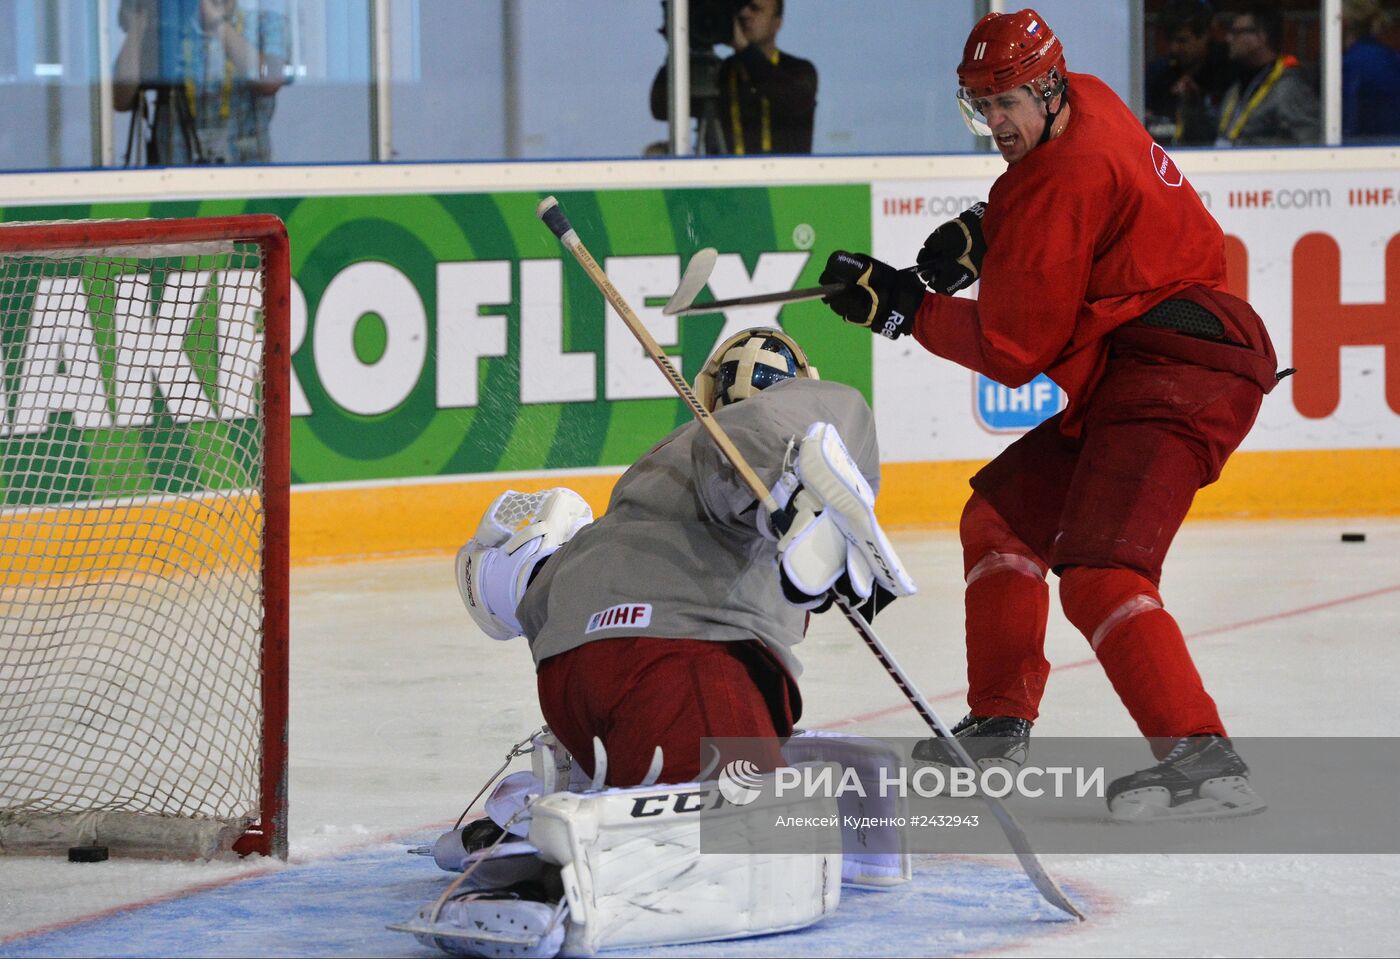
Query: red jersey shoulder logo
pixel 1165 167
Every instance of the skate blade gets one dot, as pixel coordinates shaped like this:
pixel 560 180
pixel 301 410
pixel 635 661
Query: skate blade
pixel 419 928
pixel 491 928
pixel 1224 798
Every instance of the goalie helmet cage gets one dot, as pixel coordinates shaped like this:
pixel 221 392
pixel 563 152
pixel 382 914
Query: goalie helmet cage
pixel 144 474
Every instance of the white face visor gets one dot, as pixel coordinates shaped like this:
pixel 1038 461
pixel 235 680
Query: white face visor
pixel 1038 94
pixel 971 117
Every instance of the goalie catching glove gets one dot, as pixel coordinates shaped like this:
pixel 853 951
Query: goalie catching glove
pixel 952 255
pixel 518 532
pixel 831 539
pixel 876 294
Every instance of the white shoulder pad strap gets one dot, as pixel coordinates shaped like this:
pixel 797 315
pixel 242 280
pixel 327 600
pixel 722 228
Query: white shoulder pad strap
pixel 826 469
pixel 553 765
pixel 875 852
pixel 634 875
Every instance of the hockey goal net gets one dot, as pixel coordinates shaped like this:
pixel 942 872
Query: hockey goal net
pixel 144 472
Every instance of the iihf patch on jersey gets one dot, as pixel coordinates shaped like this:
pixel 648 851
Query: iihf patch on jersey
pixel 623 614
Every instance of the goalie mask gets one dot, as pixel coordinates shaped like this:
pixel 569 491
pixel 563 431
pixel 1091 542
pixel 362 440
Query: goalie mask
pixel 518 532
pixel 747 363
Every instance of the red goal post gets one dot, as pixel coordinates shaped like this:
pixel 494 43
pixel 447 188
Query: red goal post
pixel 144 479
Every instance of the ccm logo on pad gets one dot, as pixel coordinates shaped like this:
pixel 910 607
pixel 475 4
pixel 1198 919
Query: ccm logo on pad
pixel 625 614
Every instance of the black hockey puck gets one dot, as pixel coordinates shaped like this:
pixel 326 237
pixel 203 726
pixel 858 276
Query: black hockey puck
pixel 1353 537
pixel 87 854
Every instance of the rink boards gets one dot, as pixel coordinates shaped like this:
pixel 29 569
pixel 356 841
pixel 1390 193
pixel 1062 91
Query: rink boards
pixel 444 347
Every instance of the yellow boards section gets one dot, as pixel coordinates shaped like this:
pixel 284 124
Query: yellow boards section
pixel 348 522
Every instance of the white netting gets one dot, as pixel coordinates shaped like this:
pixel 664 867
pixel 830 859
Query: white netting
pixel 514 511
pixel 131 534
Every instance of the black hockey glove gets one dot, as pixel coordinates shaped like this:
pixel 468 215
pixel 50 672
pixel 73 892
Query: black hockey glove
pixel 876 295
pixel 952 255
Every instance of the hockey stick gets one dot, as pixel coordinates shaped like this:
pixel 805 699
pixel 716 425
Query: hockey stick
pixel 677 307
pixel 1020 844
pixel 553 216
pixel 697 274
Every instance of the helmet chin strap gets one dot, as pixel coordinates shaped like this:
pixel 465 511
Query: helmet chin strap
pixel 1063 94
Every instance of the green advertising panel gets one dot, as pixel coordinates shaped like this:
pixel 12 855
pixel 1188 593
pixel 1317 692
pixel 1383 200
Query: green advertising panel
pixel 127 376
pixel 452 334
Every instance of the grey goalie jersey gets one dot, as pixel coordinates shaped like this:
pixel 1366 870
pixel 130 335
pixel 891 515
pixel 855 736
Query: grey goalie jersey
pixel 678 554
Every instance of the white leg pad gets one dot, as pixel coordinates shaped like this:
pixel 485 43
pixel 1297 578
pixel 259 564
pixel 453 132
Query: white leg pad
pixel 872 855
pixel 639 881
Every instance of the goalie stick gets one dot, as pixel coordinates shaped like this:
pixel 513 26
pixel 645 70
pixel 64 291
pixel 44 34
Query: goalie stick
pixel 553 216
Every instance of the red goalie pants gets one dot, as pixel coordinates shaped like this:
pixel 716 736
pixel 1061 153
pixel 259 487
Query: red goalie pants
pixel 1101 509
pixel 637 693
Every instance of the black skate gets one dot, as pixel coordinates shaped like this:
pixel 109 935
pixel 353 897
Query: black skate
pixel 480 833
pixel 1201 778
pixel 480 839
pixel 990 741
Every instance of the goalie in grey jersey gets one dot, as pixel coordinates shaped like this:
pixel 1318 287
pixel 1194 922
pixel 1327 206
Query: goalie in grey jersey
pixel 672 618
pixel 675 616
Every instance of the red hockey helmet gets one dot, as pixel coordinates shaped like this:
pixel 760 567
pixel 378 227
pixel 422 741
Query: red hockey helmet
pixel 1009 50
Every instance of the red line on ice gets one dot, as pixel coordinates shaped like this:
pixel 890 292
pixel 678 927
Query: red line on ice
pixel 184 891
pixel 1079 663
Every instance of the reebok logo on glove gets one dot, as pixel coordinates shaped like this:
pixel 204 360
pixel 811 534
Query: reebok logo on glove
pixel 875 295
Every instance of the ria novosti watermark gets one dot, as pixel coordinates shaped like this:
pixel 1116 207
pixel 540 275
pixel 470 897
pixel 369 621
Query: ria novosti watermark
pixel 1320 795
pixel 740 782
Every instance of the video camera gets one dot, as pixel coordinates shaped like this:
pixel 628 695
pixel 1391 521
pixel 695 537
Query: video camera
pixel 711 21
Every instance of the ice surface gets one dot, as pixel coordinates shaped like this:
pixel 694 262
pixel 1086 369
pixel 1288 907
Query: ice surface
pixel 400 709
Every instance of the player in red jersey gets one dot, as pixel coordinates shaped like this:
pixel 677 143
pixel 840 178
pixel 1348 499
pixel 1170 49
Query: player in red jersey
pixel 1100 267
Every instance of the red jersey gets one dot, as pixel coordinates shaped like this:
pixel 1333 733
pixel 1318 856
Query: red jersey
pixel 1087 232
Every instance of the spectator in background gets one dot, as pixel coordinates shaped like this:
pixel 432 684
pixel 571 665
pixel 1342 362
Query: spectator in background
pixel 1186 87
pixel 1370 75
pixel 213 85
pixel 766 100
pixel 1272 102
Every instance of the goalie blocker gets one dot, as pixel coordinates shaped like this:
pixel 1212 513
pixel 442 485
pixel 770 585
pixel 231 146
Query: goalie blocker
pixel 831 538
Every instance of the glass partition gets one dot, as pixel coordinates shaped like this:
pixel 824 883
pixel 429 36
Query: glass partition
pixel 585 74
pixel 325 110
pixel 452 97
pixel 887 73
pixel 47 85
pixel 240 81
pixel 88 83
pixel 1254 74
